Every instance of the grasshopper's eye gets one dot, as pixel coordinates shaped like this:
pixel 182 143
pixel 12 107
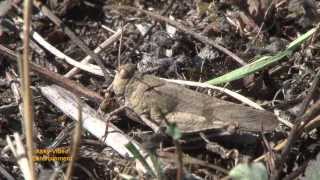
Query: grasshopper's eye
pixel 124 74
pixel 127 71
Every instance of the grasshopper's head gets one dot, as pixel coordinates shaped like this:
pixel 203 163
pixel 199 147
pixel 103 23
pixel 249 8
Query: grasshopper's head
pixel 122 77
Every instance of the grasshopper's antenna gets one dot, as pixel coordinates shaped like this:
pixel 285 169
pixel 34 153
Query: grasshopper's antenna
pixel 120 44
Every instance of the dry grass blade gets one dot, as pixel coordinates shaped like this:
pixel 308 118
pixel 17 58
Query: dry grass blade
pixel 225 90
pixel 73 37
pixel 26 91
pixel 101 47
pixel 75 143
pixel 19 152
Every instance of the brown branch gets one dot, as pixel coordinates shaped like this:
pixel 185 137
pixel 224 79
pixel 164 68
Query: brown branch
pixel 56 78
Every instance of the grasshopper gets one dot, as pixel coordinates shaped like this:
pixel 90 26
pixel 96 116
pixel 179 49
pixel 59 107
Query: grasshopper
pixel 149 96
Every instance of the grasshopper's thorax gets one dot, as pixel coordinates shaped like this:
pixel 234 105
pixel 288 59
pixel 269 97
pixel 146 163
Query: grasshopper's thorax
pixel 122 78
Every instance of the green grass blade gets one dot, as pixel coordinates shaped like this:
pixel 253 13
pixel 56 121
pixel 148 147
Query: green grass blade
pixel 135 152
pixel 297 42
pixel 262 62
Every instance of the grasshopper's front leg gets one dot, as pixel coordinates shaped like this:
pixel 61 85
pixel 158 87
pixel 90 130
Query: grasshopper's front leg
pixel 157 115
pixel 153 118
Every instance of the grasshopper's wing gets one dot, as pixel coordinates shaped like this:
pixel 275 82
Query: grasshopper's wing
pixel 245 118
pixel 194 112
pixel 186 108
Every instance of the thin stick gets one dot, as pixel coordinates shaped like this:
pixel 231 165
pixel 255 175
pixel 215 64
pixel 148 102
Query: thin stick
pixel 26 91
pixel 101 47
pixel 76 142
pixel 94 69
pixel 119 50
pixel 179 159
pixel 56 78
pixel 307 118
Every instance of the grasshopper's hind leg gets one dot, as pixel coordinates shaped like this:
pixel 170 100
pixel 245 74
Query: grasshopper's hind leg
pixel 218 149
